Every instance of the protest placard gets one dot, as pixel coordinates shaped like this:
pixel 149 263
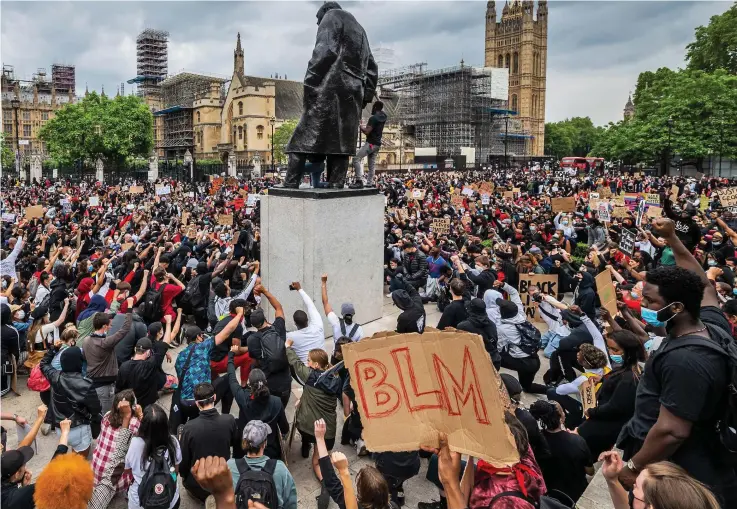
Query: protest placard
pixel 225 219
pixel 418 194
pixel 456 200
pixel 94 201
pixel 567 204
pixel 606 292
pixel 136 190
pixel 252 199
pixel 703 202
pixel 238 203
pixel 654 212
pixel 485 199
pixel 627 242
pixel 417 385
pixel 728 197
pixel 468 191
pixel 673 193
pixel 162 190
pixel 487 187
pixel 588 394
pixel 8 217
pixel 594 196
pixel 33 212
pixel 620 212
pixel 640 213
pixel 547 283
pixel 185 218
pixel 630 200
pixel 441 225
pixel 249 210
pixel 652 199
pixel 603 212
pixel 604 192
pixel 509 194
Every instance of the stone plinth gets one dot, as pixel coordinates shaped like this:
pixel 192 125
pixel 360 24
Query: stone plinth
pixel 305 233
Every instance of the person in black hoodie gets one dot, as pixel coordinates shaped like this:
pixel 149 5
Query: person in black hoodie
pixel 686 228
pixel 478 323
pixel 585 296
pixel 455 312
pixel 413 316
pixel 58 291
pixel 373 131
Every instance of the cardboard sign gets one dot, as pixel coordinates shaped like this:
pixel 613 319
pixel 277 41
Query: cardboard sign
pixel 441 225
pixel 594 196
pixel 567 204
pixel 607 293
pixel 485 199
pixel 654 212
pixel 703 202
pixel 673 193
pixel 620 212
pixel 416 385
pixel 652 199
pixel 516 191
pixel 418 194
pixel 547 283
pixel 94 201
pixel 33 212
pixel 487 187
pixel 456 200
pixel 468 191
pixel 728 197
pixel 603 212
pixel 604 192
pixel 8 217
pixel 136 190
pixel 252 199
pixel 627 242
pixel 509 194
pixel 185 218
pixel 588 394
pixel 225 219
pixel 215 185
pixel 162 190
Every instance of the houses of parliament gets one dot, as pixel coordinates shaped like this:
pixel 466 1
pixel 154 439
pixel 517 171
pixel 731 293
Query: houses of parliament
pixel 519 42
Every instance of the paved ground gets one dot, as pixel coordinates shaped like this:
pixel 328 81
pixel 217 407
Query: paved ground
pixel 416 489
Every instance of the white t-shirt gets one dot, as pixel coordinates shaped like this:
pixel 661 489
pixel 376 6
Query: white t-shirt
pixel 312 336
pixel 41 294
pixel 334 320
pixel 134 463
pixel 48 332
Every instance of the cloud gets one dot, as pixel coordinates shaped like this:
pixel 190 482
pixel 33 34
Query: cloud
pixel 596 49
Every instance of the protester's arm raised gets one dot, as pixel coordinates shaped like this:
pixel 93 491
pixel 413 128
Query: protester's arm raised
pixel 228 329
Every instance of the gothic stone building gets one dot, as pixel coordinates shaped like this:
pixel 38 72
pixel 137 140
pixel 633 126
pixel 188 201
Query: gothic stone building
pixel 519 42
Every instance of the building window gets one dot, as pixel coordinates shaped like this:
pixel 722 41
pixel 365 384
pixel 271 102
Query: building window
pixel 506 61
pixel 198 117
pixel 44 115
pixel 240 108
pixel 26 130
pixel 500 62
pixel 515 63
pixel 8 127
pixel 260 132
pixel 26 115
pixel 240 132
pixel 514 103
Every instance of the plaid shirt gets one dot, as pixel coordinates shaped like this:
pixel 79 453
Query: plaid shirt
pixel 105 490
pixel 199 367
pixel 105 449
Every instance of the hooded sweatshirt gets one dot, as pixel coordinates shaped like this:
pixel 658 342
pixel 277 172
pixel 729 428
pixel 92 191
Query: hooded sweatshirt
pixel 478 323
pixel 376 122
pixel 509 336
pixel 413 317
pixel 585 297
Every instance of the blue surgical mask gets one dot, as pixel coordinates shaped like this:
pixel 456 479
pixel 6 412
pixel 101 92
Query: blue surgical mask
pixel 564 223
pixel 634 295
pixel 734 291
pixel 711 263
pixel 651 316
pixel 616 359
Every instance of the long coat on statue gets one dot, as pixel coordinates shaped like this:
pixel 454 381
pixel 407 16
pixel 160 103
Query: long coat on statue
pixel 341 79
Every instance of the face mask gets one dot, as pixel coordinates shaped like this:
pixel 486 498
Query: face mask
pixel 634 295
pixel 616 359
pixel 651 316
pixel 20 315
pixel 716 244
pixel 533 229
pixel 564 223
pixel 711 263
pixel 631 499
pixel 734 291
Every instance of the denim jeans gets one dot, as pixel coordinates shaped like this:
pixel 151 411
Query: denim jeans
pixel 106 393
pixel 550 341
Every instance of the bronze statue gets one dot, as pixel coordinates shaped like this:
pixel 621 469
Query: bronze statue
pixel 340 81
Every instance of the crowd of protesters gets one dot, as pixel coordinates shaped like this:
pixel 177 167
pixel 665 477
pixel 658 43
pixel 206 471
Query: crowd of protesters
pixel 103 284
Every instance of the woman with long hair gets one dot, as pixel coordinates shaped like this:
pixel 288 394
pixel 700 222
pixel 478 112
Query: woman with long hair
pixel 153 438
pixel 43 333
pixel 109 428
pixel 615 400
pixel 661 485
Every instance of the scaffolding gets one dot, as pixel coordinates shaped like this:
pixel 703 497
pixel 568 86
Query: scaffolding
pixel 152 61
pixel 63 77
pixel 455 107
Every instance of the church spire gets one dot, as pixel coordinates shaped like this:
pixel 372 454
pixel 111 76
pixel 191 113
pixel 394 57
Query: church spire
pixel 238 65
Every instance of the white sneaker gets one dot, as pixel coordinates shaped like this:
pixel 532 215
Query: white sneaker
pixel 361 447
pixel 388 295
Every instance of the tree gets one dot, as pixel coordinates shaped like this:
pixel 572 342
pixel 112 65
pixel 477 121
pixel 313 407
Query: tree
pixel 571 137
pixel 100 127
pixel 715 46
pixel 7 157
pixel 282 135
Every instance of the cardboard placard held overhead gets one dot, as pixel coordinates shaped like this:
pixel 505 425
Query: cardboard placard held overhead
pixel 509 194
pixel 603 212
pixel 136 190
pixel 703 202
pixel 605 290
pixel 588 394
pixel 468 191
pixel 485 199
pixel 33 212
pixel 441 225
pixel 94 201
pixel 456 200
pixel 620 212
pixel 225 219
pixel 652 199
pixel 673 193
pixel 162 190
pixel 567 204
pixel 185 218
pixel 654 212
pixel 728 197
pixel 417 385
pixel 627 242
pixel 418 194
pixel 547 283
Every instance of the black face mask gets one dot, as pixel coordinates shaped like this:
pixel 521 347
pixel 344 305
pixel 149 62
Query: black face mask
pixel 631 498
pixel 348 319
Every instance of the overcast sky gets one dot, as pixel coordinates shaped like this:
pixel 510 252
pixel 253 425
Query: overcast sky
pixel 596 49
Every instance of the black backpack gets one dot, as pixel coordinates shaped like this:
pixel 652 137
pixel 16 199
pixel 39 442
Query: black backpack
pixel 150 309
pixel 530 338
pixel 350 334
pixel 158 488
pixel 256 485
pixel 722 342
pixel 192 298
pixel 273 352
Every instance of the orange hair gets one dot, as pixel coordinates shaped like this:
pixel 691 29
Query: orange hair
pixel 67 478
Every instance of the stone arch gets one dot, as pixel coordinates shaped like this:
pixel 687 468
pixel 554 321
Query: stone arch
pixel 240 107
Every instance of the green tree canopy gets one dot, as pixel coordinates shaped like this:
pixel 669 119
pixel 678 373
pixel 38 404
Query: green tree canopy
pixel 571 137
pixel 7 157
pixel 715 46
pixel 100 127
pixel 282 134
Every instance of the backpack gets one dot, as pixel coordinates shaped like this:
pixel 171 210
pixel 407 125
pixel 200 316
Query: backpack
pixel 546 502
pixel 530 338
pixel 256 485
pixel 158 488
pixel 350 334
pixel 212 318
pixel 726 427
pixel 192 298
pixel 273 351
pixel 150 309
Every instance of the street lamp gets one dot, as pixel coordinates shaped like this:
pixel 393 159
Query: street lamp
pixel 272 122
